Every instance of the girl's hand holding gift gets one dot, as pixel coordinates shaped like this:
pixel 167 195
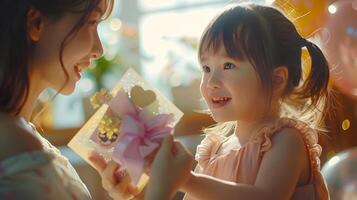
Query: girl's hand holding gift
pixel 169 171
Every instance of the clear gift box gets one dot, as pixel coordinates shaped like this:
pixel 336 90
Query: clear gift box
pixel 129 124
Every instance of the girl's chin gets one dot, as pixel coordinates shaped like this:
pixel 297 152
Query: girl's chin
pixel 221 118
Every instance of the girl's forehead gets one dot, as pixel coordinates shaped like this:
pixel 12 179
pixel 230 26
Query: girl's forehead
pixel 217 45
pixel 221 53
pixel 210 51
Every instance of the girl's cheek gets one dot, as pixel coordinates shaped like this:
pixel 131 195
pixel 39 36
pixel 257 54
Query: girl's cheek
pixel 203 90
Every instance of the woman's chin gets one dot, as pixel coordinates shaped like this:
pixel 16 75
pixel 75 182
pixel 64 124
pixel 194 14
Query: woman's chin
pixel 68 90
pixel 67 93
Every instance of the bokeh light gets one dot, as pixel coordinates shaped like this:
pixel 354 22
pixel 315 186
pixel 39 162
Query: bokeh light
pixel 115 24
pixel 332 9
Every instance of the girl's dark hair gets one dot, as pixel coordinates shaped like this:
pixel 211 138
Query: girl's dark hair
pixel 267 39
pixel 15 46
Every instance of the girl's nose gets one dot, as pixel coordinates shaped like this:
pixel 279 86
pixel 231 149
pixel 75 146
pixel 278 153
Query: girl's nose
pixel 214 81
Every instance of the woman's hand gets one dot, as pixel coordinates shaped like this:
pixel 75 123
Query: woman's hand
pixel 169 171
pixel 115 180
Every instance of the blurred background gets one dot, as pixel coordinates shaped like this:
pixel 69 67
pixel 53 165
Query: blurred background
pixel 158 38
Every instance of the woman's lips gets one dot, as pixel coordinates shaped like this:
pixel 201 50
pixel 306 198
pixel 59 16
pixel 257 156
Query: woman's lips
pixel 78 68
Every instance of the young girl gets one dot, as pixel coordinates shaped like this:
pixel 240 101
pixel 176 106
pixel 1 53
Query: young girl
pixel 44 44
pixel 255 86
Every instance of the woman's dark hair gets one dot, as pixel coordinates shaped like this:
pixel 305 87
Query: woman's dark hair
pixel 267 39
pixel 15 46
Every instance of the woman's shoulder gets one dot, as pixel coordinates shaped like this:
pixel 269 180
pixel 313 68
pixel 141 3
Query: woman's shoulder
pixel 20 151
pixel 15 139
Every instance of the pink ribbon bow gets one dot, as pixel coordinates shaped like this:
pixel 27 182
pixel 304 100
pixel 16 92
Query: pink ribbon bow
pixel 140 134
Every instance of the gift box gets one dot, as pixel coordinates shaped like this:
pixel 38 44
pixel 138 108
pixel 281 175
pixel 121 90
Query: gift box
pixel 128 125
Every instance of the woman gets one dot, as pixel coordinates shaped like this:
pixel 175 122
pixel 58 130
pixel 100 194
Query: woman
pixel 44 44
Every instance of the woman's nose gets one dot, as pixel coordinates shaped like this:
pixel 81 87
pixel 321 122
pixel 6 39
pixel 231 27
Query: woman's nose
pixel 97 50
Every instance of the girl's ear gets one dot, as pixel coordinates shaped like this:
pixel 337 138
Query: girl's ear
pixel 280 80
pixel 35 24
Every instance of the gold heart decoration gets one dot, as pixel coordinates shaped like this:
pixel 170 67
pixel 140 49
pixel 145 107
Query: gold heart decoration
pixel 141 97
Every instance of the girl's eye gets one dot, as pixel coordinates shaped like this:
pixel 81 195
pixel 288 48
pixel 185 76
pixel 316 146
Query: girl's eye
pixel 206 69
pixel 228 65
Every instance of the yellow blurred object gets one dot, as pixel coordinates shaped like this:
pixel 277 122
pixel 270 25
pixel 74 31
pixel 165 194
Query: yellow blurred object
pixel 307 15
pixel 346 124
pixel 306 63
pixel 43 115
pixel 101 97
pixel 47 116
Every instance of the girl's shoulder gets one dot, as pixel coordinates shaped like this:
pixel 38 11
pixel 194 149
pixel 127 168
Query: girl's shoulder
pixel 208 147
pixel 286 129
pixel 283 131
pixel 290 129
pixel 295 133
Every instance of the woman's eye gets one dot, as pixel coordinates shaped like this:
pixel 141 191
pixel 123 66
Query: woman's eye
pixel 228 65
pixel 206 69
pixel 93 23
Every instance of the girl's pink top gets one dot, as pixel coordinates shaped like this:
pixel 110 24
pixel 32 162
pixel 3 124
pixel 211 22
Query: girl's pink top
pixel 241 164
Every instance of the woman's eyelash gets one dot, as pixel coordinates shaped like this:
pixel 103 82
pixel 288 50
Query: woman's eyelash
pixel 94 22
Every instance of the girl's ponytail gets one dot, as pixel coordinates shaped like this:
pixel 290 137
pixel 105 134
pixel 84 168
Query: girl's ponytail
pixel 316 84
